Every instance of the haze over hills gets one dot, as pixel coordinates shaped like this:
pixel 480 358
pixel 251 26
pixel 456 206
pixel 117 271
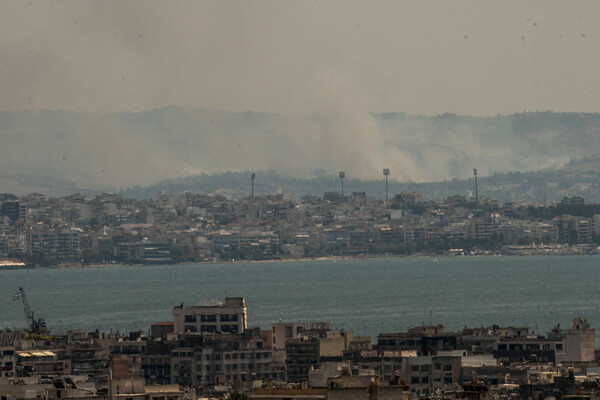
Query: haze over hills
pixel 579 177
pixel 58 152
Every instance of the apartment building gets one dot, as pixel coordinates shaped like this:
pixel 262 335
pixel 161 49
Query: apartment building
pixel 212 316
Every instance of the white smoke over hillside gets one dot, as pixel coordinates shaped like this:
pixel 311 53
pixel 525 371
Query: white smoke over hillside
pixel 95 151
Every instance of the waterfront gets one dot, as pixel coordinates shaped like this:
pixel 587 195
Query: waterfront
pixel 367 296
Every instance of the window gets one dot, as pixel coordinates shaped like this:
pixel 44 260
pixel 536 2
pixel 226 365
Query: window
pixel 288 332
pixel 559 346
pixel 425 379
pixel 209 328
pixel 229 317
pixel 414 368
pixel 190 318
pixel 448 367
pixel 437 366
pixel 414 380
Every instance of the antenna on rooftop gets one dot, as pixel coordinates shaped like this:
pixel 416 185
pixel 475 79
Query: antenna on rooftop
pixel 342 175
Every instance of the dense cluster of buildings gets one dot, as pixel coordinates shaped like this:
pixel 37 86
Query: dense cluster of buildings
pixel 208 350
pixel 194 227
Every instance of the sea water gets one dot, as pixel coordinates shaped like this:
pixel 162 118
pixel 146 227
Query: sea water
pixel 366 296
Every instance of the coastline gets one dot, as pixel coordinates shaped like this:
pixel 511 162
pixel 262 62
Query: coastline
pixel 323 258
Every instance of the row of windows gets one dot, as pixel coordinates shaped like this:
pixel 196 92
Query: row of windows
pixel 529 346
pixel 235 377
pixel 211 318
pixel 226 356
pixel 416 380
pixel 212 328
pixel 425 368
pixel 399 343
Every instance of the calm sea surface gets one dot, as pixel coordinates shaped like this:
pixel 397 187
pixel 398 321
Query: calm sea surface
pixel 367 296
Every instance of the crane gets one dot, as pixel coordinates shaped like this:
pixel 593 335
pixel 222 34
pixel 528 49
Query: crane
pixel 35 325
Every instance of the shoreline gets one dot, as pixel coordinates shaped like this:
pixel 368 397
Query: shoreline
pixel 324 258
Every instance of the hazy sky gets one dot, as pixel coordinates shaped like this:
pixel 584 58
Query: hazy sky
pixel 420 57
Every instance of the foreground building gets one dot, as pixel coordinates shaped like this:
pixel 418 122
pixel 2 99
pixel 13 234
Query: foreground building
pixel 212 316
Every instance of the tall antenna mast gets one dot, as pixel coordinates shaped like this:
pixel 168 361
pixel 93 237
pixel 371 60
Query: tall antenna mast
pixel 252 183
pixel 342 176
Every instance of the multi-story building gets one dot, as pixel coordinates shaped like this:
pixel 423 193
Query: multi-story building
pixel 309 352
pixel 426 374
pixel 212 316
pixel 14 210
pixel 222 359
pixel 61 243
pixel 284 331
pixel 8 361
pixel 578 343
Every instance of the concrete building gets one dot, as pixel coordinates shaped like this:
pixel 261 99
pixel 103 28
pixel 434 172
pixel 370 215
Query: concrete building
pixel 532 348
pixel 61 243
pixel 212 316
pixel 578 343
pixel 8 361
pixel 427 374
pixel 283 331
pixel 308 352
pixel 222 359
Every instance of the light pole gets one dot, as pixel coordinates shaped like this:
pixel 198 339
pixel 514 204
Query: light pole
pixel 342 176
pixel 386 173
pixel 252 183
pixel 476 194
